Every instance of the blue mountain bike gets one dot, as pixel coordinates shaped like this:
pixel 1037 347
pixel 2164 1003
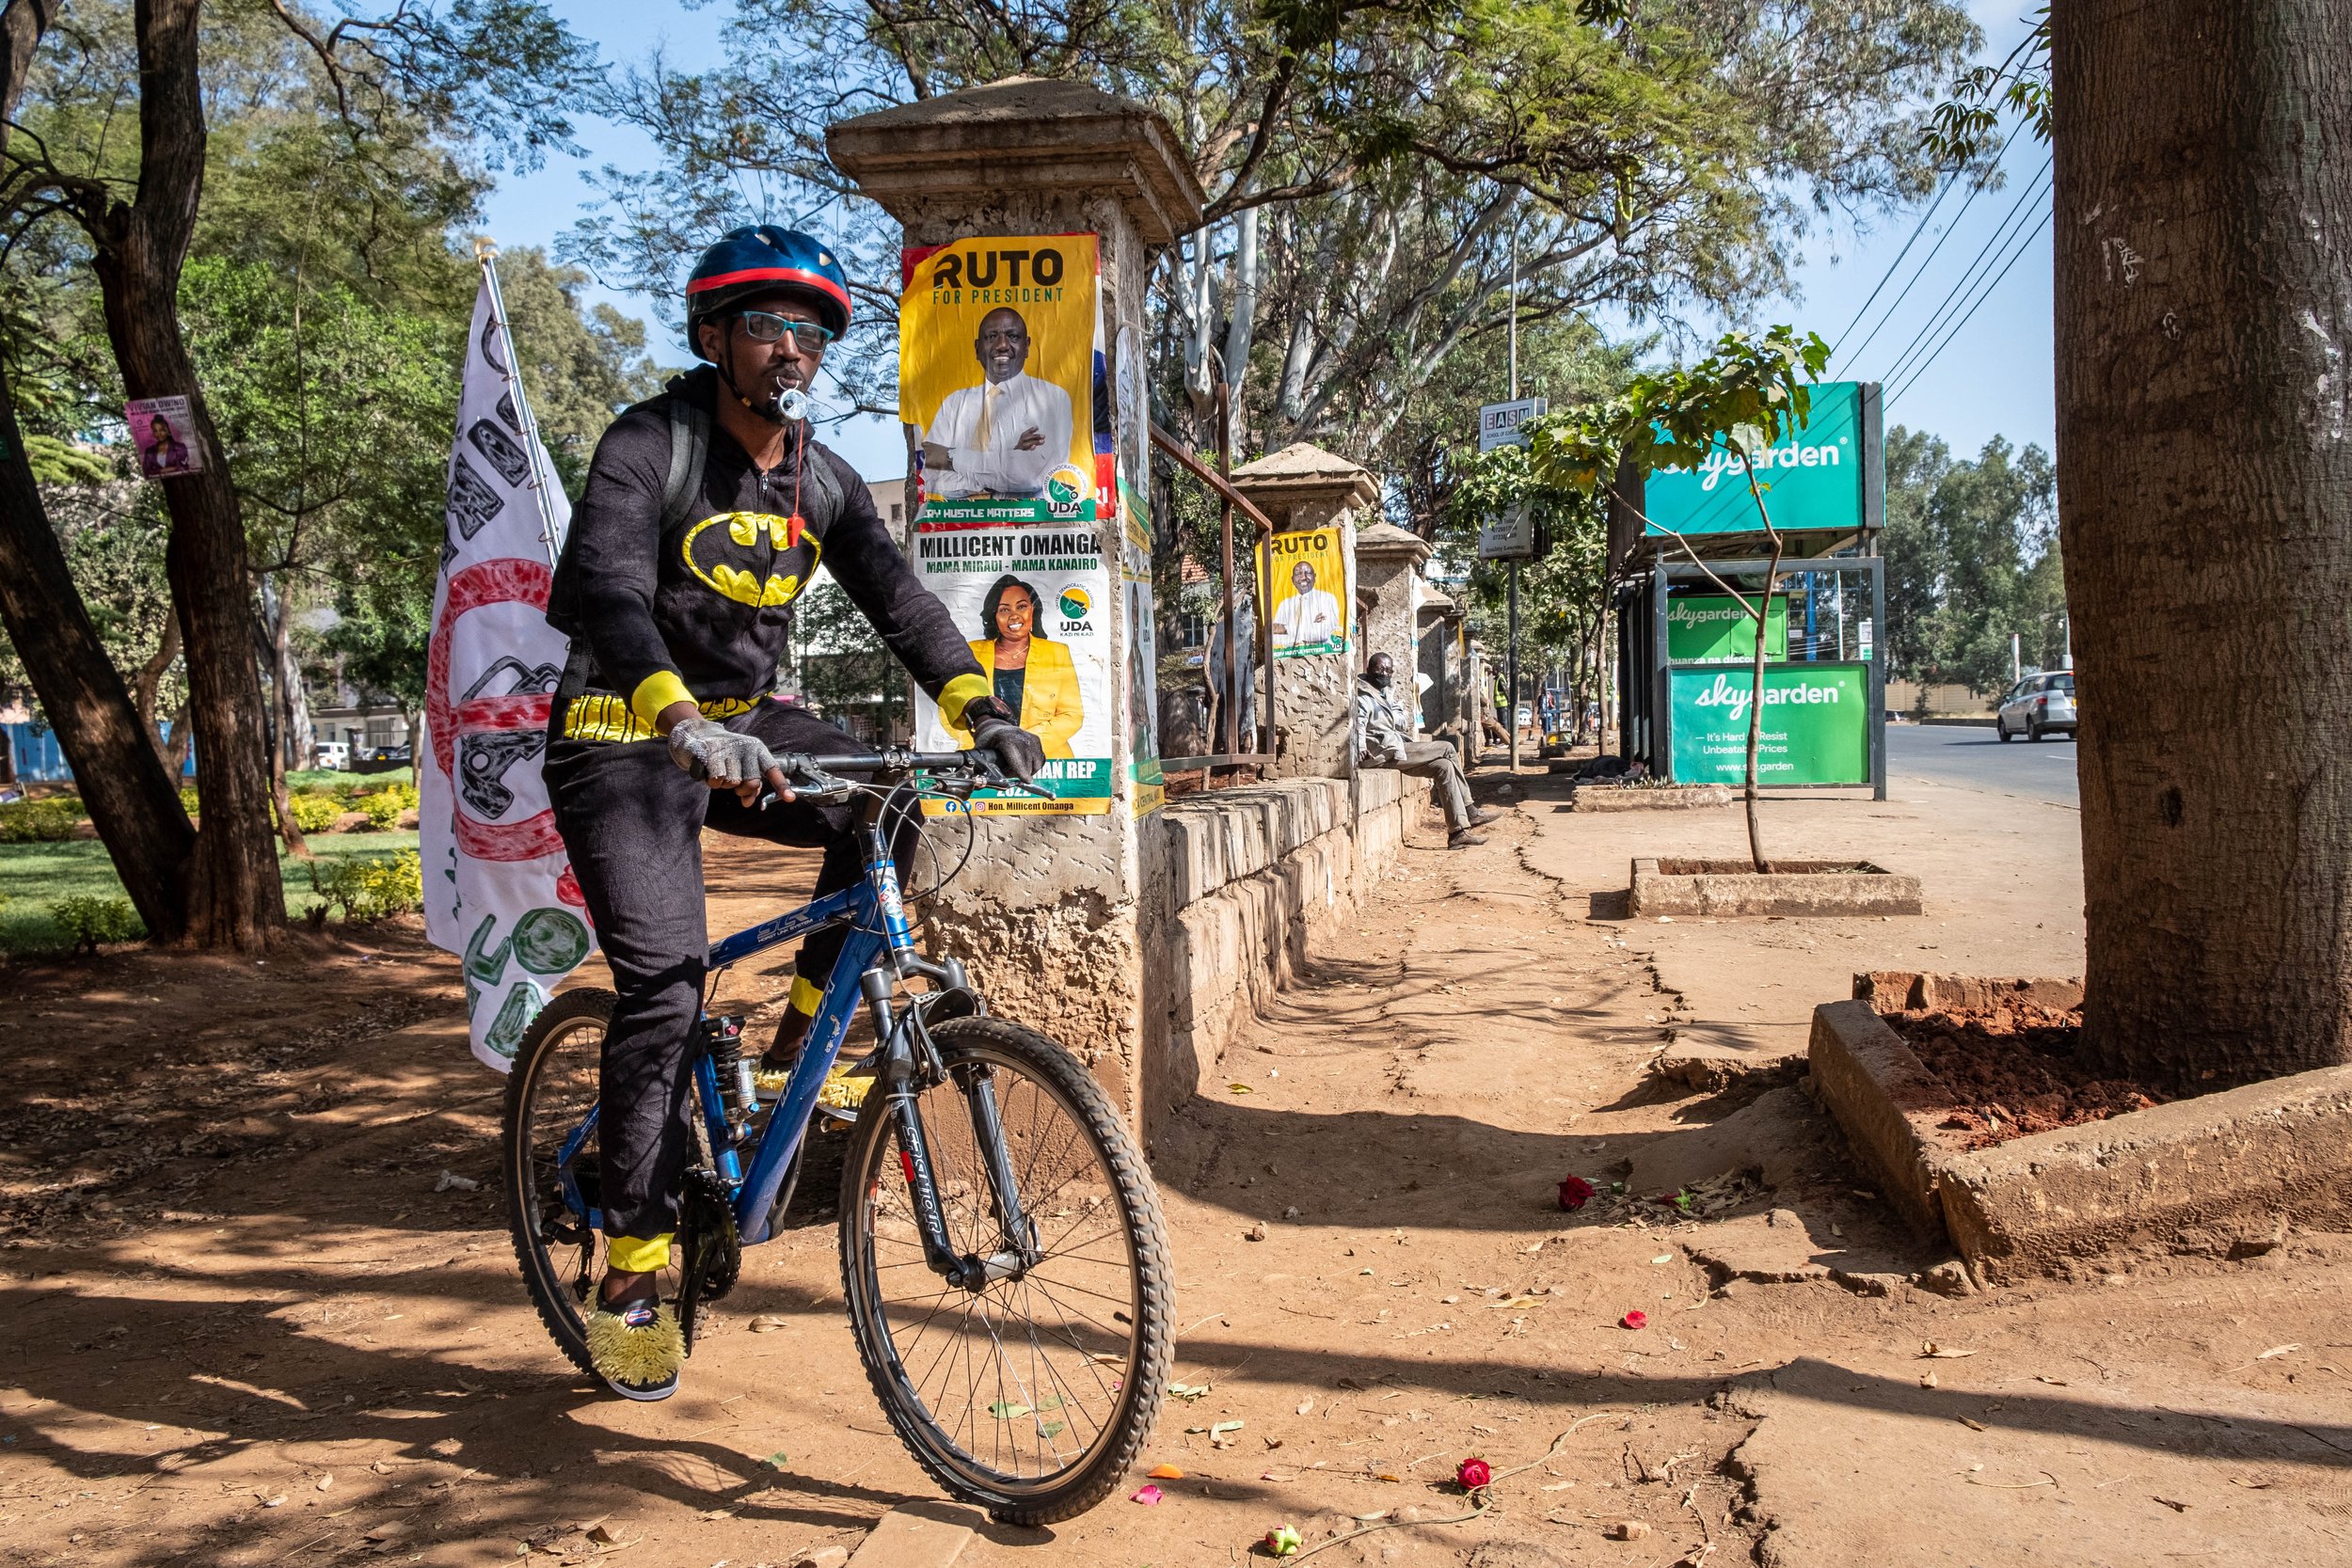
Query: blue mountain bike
pixel 1003 1257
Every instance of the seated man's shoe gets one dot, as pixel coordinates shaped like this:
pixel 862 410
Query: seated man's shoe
pixel 1480 817
pixel 1465 839
pixel 638 1347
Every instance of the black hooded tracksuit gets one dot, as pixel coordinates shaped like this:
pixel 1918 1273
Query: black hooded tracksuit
pixel 696 606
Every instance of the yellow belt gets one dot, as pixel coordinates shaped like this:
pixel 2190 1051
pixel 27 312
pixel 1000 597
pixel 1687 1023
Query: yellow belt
pixel 609 717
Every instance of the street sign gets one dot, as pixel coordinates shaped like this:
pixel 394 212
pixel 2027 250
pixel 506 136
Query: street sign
pixel 1498 422
pixel 1509 537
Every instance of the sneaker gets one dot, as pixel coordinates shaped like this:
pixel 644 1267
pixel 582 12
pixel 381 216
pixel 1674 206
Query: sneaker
pixel 638 1348
pixel 1464 840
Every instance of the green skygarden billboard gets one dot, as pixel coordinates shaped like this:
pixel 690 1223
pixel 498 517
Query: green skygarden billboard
pixel 1816 727
pixel 1815 478
pixel 1714 629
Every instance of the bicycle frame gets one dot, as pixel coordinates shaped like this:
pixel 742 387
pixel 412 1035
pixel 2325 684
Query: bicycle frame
pixel 878 951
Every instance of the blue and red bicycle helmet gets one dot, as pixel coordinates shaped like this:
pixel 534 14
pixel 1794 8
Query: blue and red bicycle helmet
pixel 762 259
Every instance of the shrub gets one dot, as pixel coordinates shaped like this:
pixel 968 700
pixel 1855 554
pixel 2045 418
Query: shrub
pixel 187 799
pixel 315 813
pixel 83 922
pixel 370 888
pixel 384 806
pixel 50 821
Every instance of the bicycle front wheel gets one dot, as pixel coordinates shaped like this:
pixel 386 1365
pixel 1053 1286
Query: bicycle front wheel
pixel 1032 1395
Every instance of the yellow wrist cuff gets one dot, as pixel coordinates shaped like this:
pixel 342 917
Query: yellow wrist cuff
pixel 656 692
pixel 956 692
pixel 638 1254
pixel 805 996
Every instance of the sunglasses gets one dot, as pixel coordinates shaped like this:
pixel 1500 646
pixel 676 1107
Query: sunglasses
pixel 766 327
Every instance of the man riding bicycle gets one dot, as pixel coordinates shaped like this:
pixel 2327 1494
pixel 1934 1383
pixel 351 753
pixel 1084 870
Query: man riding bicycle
pixel 708 510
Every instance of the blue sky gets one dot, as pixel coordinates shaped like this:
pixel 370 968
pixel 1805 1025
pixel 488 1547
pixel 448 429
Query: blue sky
pixel 1992 377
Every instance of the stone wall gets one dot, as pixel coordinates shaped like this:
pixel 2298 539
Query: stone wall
pixel 1247 879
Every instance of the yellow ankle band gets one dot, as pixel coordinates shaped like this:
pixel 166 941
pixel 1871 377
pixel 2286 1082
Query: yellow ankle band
pixel 805 996
pixel 634 1254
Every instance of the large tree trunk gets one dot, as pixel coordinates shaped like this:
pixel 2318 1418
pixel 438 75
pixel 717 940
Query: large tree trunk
pixel 130 798
pixel 2204 321
pixel 234 898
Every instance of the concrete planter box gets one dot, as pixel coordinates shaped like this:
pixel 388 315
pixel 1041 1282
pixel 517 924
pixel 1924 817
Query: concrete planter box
pixel 2218 1173
pixel 1600 796
pixel 1794 887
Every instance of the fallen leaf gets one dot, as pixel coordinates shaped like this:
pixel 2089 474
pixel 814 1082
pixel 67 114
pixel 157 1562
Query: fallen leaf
pixel 1303 1407
pixel 1972 1426
pixel 1926 1380
pixel 1241 1089
pixel 325 1481
pixel 1931 1348
pixel 2175 1507
pixel 777 1460
pixel 2250 1483
pixel 2275 1350
pixel 768 1323
pixel 600 1535
pixel 1664 1258
pixel 1006 1410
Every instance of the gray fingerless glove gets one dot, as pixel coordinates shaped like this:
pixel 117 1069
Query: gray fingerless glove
pixel 1018 752
pixel 708 750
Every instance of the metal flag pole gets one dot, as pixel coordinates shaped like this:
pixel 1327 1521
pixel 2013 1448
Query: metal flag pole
pixel 485 251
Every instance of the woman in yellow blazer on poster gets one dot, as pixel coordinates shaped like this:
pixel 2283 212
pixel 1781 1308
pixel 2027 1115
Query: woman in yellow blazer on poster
pixel 1033 674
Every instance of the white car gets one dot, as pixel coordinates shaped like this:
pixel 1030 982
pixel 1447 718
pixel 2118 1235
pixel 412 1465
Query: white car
pixel 335 754
pixel 2037 706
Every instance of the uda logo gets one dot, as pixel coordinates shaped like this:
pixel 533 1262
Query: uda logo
pixel 1065 491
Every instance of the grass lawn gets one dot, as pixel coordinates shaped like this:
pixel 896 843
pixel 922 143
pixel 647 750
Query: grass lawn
pixel 32 875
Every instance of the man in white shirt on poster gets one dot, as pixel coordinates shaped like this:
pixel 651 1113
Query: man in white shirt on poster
pixel 1309 616
pixel 1005 435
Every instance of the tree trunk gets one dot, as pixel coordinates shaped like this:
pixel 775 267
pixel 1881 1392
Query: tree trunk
pixel 233 894
pixel 150 680
pixel 280 616
pixel 130 798
pixel 2203 322
pixel 1755 706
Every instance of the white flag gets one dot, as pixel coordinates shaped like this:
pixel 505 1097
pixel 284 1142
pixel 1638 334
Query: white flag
pixel 499 889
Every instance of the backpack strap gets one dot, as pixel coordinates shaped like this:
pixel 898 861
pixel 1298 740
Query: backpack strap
pixel 821 500
pixel 689 447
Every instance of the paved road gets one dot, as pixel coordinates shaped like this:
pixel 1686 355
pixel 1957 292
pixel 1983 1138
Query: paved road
pixel 1970 757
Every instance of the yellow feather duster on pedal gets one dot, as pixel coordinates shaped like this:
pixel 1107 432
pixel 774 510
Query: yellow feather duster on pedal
pixel 640 1355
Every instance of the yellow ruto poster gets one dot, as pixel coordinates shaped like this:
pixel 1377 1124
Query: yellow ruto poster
pixel 1303 575
pixel 997 364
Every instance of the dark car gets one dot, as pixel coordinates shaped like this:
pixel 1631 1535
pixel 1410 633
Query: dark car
pixel 380 759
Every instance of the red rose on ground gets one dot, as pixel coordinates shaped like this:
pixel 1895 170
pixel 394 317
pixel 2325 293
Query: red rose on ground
pixel 1635 1318
pixel 1474 1474
pixel 1575 1191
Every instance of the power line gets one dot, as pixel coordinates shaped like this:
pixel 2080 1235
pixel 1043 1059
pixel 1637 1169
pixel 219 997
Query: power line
pixel 1942 191
pixel 1920 368
pixel 1971 274
pixel 1976 190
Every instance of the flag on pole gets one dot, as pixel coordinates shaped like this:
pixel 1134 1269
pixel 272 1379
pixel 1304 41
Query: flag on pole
pixel 498 889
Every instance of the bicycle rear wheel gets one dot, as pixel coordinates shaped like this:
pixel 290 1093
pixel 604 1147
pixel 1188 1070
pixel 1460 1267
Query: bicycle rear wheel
pixel 1030 1396
pixel 550 1091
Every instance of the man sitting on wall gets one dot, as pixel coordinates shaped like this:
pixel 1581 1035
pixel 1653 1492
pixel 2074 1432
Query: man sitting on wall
pixel 1384 738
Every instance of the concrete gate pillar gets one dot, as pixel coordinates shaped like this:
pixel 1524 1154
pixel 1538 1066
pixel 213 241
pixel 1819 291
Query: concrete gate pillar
pixel 1388 565
pixel 1303 487
pixel 1052 913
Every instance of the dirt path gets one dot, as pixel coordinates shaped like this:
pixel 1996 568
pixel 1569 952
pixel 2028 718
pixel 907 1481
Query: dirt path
pixel 250 1319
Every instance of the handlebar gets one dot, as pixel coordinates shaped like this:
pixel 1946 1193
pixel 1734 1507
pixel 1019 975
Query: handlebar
pixel 981 766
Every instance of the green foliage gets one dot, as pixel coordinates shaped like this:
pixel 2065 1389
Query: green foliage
pixel 1972 556
pixel 83 923
pixel 385 805
pixel 315 813
pixel 372 887
pixel 1963 127
pixel 50 821
pixel 844 667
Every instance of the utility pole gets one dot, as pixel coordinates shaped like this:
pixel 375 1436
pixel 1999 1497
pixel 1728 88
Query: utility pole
pixel 1511 693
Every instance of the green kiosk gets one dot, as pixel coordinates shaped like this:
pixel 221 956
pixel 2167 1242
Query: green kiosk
pixel 1685 646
